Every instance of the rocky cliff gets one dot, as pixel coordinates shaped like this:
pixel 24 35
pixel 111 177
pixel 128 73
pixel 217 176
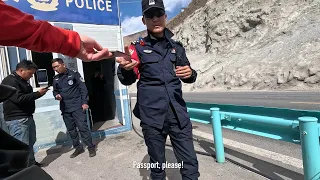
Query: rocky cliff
pixel 249 44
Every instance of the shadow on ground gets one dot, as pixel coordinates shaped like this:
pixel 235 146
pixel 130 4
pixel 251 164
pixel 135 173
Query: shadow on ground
pixel 61 148
pixel 267 168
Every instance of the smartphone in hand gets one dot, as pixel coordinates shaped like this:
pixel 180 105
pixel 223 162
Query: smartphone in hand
pixel 47 87
pixel 121 54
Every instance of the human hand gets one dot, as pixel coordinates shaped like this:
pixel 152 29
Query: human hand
pixel 43 91
pixel 183 72
pixel 125 64
pixel 85 107
pixel 90 50
pixel 58 97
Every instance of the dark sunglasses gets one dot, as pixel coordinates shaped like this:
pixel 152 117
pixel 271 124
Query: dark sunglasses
pixel 154 13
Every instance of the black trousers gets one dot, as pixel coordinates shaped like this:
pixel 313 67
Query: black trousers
pixel 78 119
pixel 182 142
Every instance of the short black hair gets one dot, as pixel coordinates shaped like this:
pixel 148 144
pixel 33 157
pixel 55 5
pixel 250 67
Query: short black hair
pixel 26 65
pixel 59 60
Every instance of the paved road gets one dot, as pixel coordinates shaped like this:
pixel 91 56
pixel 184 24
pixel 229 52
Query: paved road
pixel 124 157
pixel 292 100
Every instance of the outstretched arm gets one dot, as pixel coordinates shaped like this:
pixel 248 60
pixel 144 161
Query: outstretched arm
pixel 22 30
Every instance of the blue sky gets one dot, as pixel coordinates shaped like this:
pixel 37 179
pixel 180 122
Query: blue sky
pixel 130 11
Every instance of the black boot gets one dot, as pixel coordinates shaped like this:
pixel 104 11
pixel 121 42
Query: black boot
pixel 92 152
pixel 76 153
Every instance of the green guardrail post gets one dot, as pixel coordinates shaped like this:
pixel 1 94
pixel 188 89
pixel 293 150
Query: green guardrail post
pixel 217 134
pixel 309 135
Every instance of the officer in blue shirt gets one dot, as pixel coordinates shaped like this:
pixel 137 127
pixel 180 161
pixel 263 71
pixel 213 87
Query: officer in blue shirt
pixel 160 64
pixel 69 88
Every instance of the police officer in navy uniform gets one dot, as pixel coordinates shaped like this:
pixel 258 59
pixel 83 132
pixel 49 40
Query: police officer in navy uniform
pixel 160 64
pixel 69 88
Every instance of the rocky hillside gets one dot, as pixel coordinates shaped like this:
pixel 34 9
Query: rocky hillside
pixel 193 6
pixel 249 44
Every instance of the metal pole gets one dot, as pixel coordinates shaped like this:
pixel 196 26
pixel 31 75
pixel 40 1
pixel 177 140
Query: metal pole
pixel 217 134
pixel 88 119
pixel 309 135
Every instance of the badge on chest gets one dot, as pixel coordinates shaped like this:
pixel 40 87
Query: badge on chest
pixel 147 51
pixel 70 82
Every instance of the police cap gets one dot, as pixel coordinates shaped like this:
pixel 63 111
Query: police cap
pixel 148 4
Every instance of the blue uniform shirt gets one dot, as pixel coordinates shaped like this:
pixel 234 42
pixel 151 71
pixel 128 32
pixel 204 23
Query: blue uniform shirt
pixel 70 85
pixel 158 85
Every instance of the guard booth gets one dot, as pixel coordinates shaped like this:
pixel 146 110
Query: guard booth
pixel 108 102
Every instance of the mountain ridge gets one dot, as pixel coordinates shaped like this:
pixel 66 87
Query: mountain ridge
pixel 250 45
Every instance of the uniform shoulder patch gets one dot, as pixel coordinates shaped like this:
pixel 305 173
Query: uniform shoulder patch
pixel 178 42
pixel 134 42
pixel 140 41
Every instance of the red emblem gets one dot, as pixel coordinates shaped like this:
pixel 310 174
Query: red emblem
pixel 141 41
pixel 134 55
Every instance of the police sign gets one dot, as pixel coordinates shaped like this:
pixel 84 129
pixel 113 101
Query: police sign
pixel 103 12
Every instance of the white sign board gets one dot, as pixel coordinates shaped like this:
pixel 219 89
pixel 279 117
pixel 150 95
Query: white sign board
pixel 71 63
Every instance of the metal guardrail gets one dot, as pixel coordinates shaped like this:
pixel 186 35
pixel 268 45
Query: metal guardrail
pixel 303 130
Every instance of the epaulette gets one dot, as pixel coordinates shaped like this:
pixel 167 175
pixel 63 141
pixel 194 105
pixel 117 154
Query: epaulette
pixel 134 42
pixel 178 42
pixel 140 41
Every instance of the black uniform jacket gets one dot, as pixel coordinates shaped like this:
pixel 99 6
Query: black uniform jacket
pixel 158 84
pixel 70 85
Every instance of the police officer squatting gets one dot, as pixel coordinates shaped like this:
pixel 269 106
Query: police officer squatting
pixel 160 64
pixel 69 88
